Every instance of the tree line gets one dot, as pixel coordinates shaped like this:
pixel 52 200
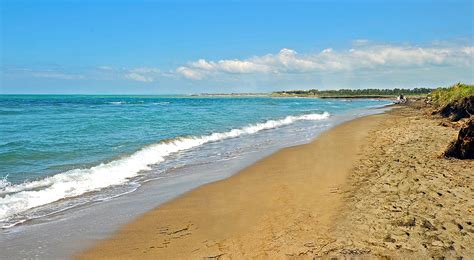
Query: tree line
pixel 356 92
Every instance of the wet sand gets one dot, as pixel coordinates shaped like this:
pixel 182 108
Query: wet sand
pixel 369 187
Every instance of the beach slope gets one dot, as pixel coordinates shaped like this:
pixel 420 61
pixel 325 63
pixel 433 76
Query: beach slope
pixel 284 205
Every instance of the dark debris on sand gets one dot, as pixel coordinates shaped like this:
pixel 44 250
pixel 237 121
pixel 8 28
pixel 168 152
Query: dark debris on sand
pixel 463 147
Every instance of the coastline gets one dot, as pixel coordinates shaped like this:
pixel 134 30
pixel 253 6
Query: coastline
pixel 375 186
pixel 65 233
pixel 282 205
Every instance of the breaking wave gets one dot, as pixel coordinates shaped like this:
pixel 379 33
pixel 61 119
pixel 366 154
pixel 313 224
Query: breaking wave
pixel 15 199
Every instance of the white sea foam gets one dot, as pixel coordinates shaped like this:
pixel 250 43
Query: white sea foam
pixel 19 198
pixel 4 182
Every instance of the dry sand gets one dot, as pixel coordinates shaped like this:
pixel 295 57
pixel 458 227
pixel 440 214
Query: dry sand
pixel 371 187
pixel 405 199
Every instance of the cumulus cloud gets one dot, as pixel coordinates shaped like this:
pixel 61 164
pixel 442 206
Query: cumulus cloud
pixel 363 63
pixel 191 73
pixel 362 56
pixel 201 68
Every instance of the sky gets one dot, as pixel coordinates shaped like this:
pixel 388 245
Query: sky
pixel 185 47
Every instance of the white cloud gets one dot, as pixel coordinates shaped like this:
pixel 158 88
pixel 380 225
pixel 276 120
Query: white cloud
pixel 190 73
pixel 105 68
pixel 56 75
pixel 360 42
pixel 238 66
pixel 143 74
pixel 138 77
pixel 146 70
pixel 328 50
pixel 363 64
pixel 468 50
pixel 362 57
pixel 202 64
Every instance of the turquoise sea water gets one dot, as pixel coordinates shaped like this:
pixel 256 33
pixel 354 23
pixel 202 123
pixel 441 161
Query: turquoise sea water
pixel 55 150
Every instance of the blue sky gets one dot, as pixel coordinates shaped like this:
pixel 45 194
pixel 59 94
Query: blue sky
pixel 158 47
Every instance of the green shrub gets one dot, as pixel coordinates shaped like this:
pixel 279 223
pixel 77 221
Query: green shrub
pixel 443 96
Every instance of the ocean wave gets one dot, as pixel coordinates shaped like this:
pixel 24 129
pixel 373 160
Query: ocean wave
pixel 4 182
pixel 161 103
pixel 19 198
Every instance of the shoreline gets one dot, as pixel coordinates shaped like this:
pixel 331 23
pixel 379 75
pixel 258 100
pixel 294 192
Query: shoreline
pixel 131 156
pixel 372 187
pixel 64 234
pixel 230 210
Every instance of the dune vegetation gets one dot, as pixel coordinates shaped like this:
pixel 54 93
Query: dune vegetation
pixel 443 96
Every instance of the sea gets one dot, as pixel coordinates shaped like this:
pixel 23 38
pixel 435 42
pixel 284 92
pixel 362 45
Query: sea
pixel 64 152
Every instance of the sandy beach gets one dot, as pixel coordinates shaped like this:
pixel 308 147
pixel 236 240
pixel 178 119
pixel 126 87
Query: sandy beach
pixel 376 186
pixel 197 129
